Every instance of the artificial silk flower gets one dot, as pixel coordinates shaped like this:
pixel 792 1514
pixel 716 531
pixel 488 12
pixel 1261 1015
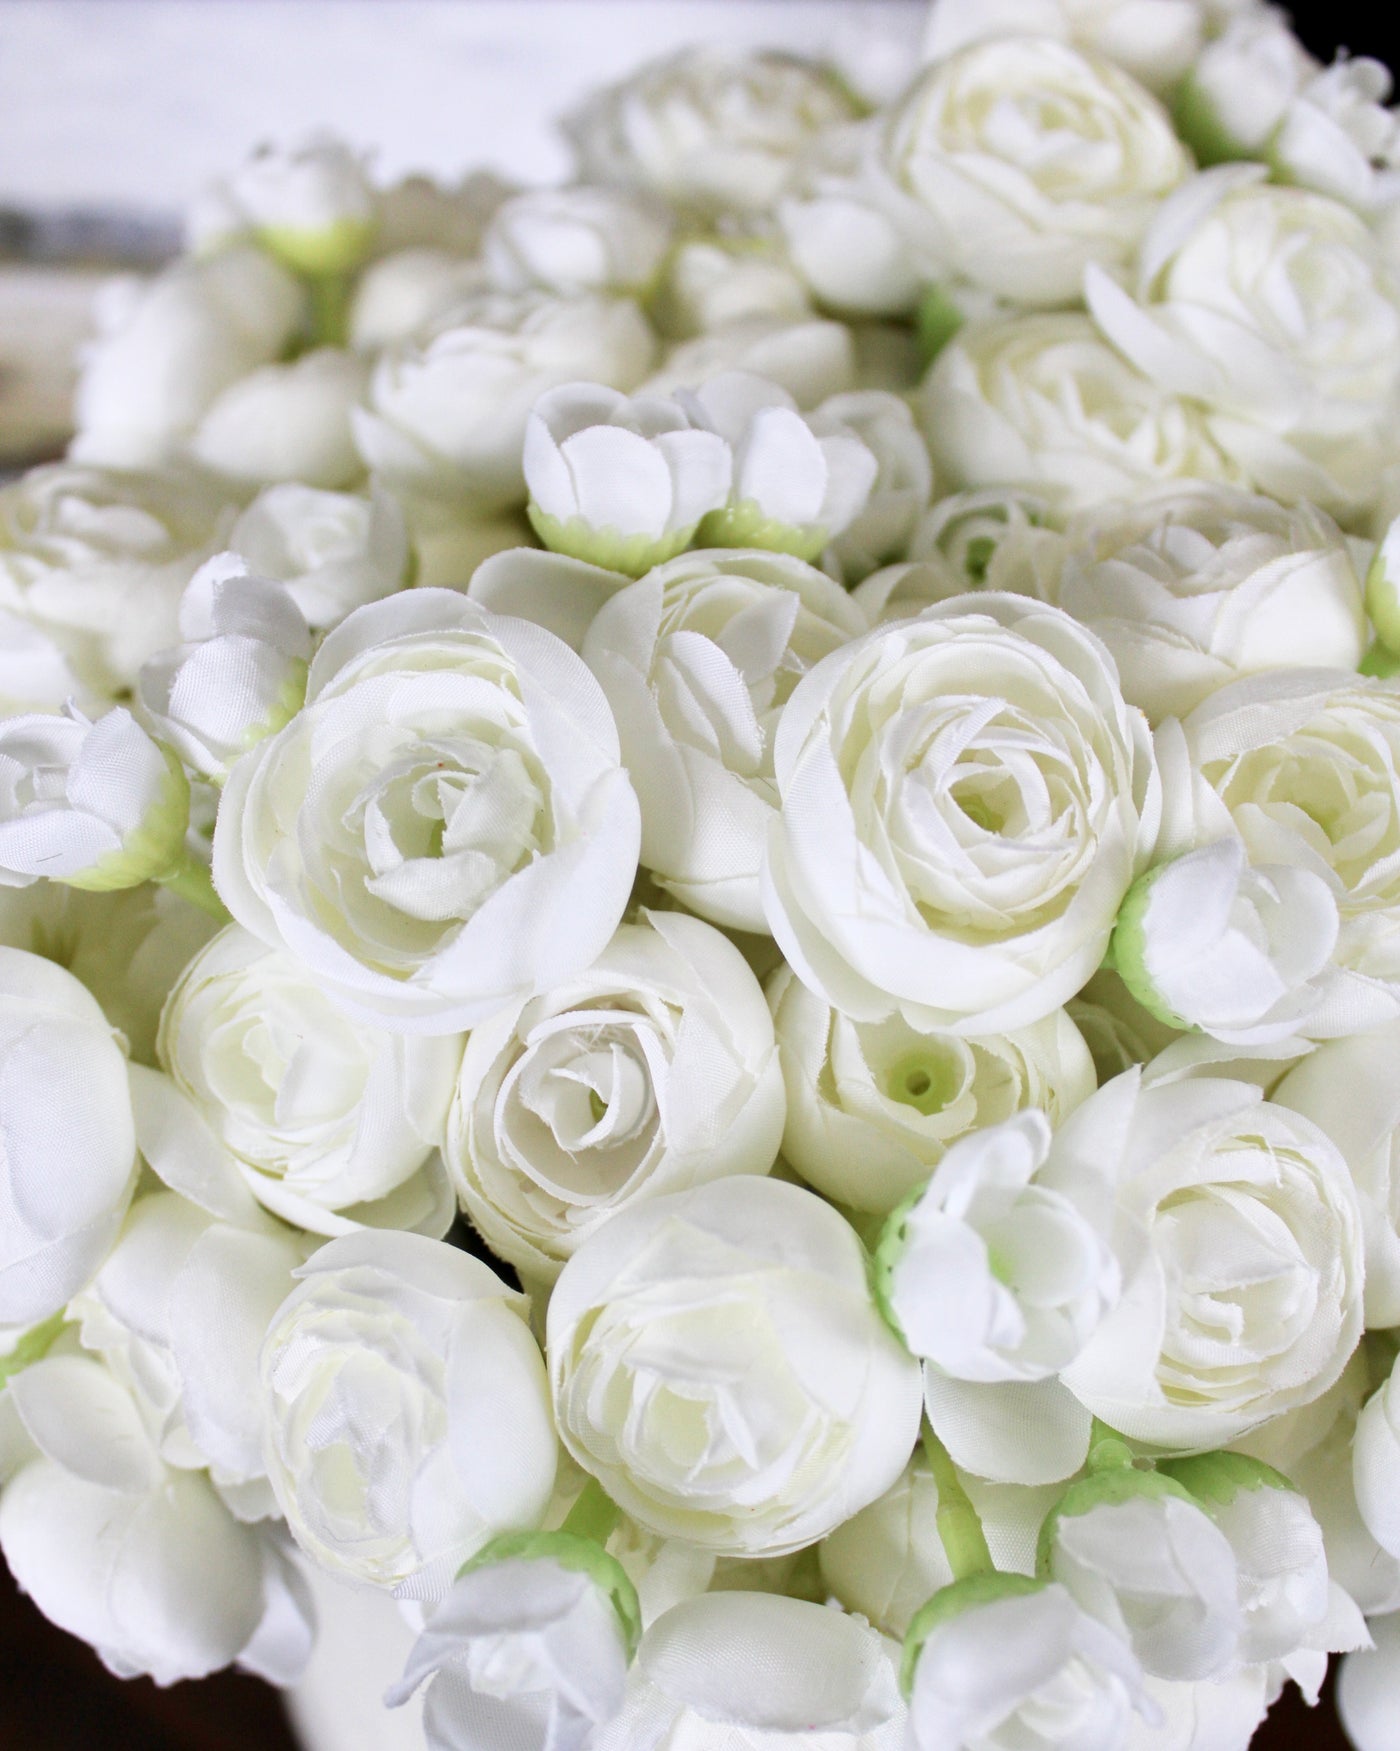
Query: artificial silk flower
pixel 652 1071
pixel 98 805
pixel 698 660
pixel 1368 1689
pixel 617 482
pixel 1375 1457
pixel 407 1411
pixel 752 1671
pixel 404 295
pixel 874 1106
pixel 331 1120
pixel 575 240
pixel 1043 404
pixel 796 483
pixel 1206 940
pixel 810 357
pixel 117 1548
pixel 773 1402
pixel 709 282
pixel 312 206
pixel 1155 40
pixel 882 531
pixel 470 836
pixel 286 423
pixel 708 129
pixel 332 551
pixel 1012 164
pixel 69 1165
pixel 964 801
pixel 1238 90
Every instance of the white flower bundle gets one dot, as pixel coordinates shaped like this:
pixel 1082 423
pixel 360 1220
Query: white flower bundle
pixel 700 912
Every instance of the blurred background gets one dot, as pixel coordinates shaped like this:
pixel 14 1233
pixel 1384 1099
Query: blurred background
pixel 113 113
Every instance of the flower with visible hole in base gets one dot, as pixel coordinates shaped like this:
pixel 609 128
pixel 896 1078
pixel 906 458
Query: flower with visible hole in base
pixel 619 483
pixel 312 207
pixel 797 484
pixel 97 805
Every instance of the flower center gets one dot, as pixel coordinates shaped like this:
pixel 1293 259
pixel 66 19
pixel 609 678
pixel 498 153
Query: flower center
pixel 923 1080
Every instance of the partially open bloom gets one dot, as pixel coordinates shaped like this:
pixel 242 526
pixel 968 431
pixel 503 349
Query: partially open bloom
pixel 312 206
pixel 286 422
pixel 333 551
pixel 575 240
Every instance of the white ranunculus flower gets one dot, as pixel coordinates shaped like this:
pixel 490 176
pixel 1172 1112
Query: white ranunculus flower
pixel 1273 308
pixel 874 1106
pixel 899 496
pixel 312 206
pixel 1237 92
pixel 118 1549
pixel 1156 40
pixel 445 828
pixel 756 1672
pixel 147 1313
pixel 709 128
pixel 711 281
pixel 697 660
pixel 528 1648
pixel 718 1364
pixel 1346 1086
pixel 811 357
pixel 1004 1661
pixel 575 240
pixel 1043 404
pixel 98 805
pixel 97 559
pixel 618 482
pixel 1241 1247
pixel 1375 1459
pixel 1339 137
pixel 323 1113
pixel 445 417
pixel 1368 1690
pixel 1155 1568
pixel 69 1162
pixel 240 673
pixel 168 346
pixel 1014 164
pixel 408 1412
pixel 1197 584
pixel 652 1071
pixel 965 800
pixel 1206 940
pixel 126 946
pixel 1303 767
pixel 403 295
pixel 287 422
pixel 994 539
pixel 333 551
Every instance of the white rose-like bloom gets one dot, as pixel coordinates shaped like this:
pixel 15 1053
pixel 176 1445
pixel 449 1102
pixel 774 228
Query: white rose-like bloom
pixel 1241 1245
pixel 69 1161
pixel 333 551
pixel 652 1071
pixel 97 559
pixel 874 1106
pixel 403 295
pixel 167 347
pixel 965 800
pixel 1155 40
pixel 619 482
pixel 1346 1086
pixel 526 1650
pixel 239 675
pixel 711 281
pixel 1196 585
pixel 1274 309
pixel 1375 1459
pixel 312 205
pixel 323 1112
pixel 445 827
pixel 99 805
pixel 1239 89
pixel 903 484
pixel 118 1549
pixel 287 422
pixel 708 128
pixel 697 660
pixel 1013 164
pixel 1043 404
pixel 1023 1666
pixel 408 1412
pixel 1339 138
pixel 811 358
pixel 574 240
pixel 1302 766
pixel 719 1366
pixel 445 418
pixel 1206 940
pixel 756 1672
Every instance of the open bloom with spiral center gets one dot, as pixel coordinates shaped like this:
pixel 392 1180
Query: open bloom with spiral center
pixel 620 483
pixel 652 1071
pixel 445 827
pixel 965 799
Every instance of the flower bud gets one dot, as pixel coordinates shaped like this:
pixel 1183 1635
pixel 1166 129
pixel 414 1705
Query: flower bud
pixel 312 207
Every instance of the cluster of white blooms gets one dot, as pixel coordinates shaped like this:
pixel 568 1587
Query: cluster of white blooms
pixel 700 912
